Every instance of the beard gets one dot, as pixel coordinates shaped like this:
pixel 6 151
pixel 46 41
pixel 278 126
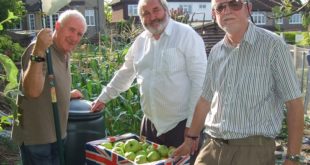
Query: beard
pixel 162 23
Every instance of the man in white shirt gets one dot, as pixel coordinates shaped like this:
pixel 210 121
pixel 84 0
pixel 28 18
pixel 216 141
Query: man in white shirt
pixel 168 60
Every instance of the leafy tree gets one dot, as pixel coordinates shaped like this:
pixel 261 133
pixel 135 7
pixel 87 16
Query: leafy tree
pixel 15 6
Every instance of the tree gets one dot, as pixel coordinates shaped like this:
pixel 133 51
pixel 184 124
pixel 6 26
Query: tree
pixel 287 8
pixel 15 6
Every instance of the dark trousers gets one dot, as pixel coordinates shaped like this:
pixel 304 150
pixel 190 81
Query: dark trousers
pixel 174 137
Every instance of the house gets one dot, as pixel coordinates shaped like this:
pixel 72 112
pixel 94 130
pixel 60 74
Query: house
pixel 197 10
pixel 34 20
pixel 200 10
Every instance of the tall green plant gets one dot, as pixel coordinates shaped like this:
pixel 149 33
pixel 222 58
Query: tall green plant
pixel 9 79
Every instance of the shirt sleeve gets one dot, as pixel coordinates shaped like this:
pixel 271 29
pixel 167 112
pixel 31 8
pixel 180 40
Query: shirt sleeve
pixel 284 73
pixel 196 61
pixel 121 81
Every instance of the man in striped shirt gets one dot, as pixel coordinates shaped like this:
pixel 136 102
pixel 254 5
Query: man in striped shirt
pixel 250 77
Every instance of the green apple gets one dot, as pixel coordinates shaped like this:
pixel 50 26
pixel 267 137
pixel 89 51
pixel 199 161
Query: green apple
pixel 163 150
pixel 171 150
pixel 132 145
pixel 144 145
pixel 118 150
pixel 150 148
pixel 153 156
pixel 140 159
pixel 119 144
pixel 107 145
pixel 141 152
pixel 130 155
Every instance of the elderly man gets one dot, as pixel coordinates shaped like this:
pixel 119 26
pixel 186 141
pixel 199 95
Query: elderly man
pixel 36 133
pixel 168 60
pixel 250 77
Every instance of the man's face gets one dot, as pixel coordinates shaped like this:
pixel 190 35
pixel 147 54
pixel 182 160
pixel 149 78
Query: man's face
pixel 69 34
pixel 231 15
pixel 154 17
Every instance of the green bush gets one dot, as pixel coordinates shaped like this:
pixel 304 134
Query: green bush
pixel 11 49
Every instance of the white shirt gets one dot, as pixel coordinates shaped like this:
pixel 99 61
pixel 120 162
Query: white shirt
pixel 169 71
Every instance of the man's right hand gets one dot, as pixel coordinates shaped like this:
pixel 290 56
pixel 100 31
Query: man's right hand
pixel 97 106
pixel 43 41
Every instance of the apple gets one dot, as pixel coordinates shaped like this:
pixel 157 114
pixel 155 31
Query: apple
pixel 119 144
pixel 171 150
pixel 132 145
pixel 130 155
pixel 107 145
pixel 140 159
pixel 150 148
pixel 153 156
pixel 118 150
pixel 144 145
pixel 141 152
pixel 163 150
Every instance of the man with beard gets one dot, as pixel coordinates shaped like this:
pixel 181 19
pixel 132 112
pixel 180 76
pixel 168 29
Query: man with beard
pixel 168 60
pixel 250 78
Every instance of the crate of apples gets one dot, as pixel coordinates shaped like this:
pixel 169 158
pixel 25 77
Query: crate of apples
pixel 132 150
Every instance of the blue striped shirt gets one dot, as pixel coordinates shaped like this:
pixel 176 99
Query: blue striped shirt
pixel 247 85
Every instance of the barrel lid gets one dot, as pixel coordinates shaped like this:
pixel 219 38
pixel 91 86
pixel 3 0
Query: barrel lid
pixel 80 109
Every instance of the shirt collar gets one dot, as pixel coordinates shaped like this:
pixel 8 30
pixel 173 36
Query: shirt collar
pixel 249 36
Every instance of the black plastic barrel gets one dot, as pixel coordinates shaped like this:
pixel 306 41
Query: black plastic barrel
pixel 83 126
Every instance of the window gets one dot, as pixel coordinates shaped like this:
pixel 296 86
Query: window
pixel 295 19
pixel 279 21
pixel 90 17
pixel 31 22
pixel 259 18
pixel 186 8
pixel 202 6
pixel 132 10
pixel 17 25
pixel 49 21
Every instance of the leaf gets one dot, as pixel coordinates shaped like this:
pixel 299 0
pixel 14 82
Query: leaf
pixel 11 72
pixel 1 27
pixel 11 15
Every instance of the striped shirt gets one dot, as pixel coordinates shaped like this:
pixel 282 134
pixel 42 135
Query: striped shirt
pixel 247 85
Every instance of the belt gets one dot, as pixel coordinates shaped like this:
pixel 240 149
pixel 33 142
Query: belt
pixel 251 140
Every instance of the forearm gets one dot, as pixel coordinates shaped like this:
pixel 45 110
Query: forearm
pixel 33 80
pixel 295 122
pixel 201 111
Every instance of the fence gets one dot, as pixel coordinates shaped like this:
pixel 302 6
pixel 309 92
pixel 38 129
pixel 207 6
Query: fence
pixel 300 56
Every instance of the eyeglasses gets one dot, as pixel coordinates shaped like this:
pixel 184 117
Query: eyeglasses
pixel 233 5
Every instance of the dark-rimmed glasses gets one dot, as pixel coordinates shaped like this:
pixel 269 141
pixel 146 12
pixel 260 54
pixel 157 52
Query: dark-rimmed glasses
pixel 233 5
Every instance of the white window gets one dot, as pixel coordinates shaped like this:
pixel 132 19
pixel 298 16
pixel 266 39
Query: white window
pixel 279 21
pixel 259 18
pixel 295 19
pixel 186 8
pixel 49 21
pixel 132 10
pixel 17 25
pixel 90 17
pixel 202 6
pixel 31 22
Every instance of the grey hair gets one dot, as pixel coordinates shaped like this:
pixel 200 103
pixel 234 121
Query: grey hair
pixel 163 3
pixel 72 13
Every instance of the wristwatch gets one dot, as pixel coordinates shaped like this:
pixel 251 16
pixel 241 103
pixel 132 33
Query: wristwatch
pixel 294 158
pixel 36 58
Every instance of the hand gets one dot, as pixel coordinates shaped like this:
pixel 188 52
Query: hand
pixel 97 106
pixel 43 41
pixel 185 149
pixel 76 94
